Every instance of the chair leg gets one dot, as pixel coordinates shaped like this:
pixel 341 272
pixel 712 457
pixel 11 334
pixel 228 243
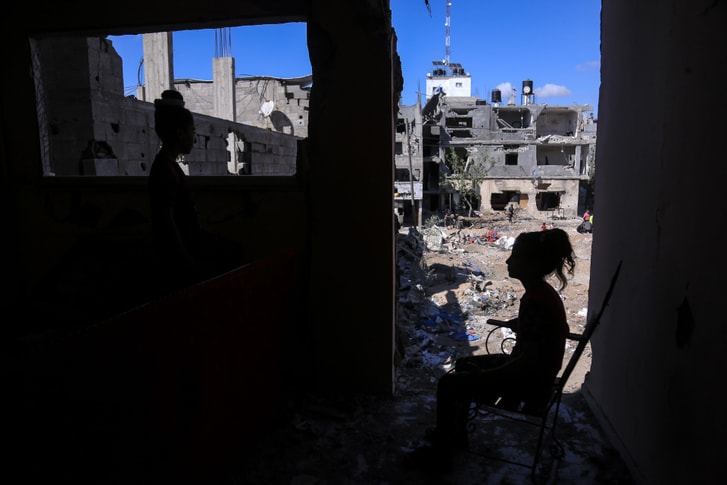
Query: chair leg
pixel 538 448
pixel 556 449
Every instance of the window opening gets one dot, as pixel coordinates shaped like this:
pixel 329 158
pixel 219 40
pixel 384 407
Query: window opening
pixel 95 118
pixel 546 201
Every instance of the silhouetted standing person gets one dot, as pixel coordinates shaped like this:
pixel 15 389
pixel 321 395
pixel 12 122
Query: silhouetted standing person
pixel 175 223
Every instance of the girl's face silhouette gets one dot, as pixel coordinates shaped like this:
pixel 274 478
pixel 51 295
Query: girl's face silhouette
pixel 519 264
pixel 186 138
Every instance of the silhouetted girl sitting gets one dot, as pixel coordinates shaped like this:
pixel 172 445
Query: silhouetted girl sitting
pixel 526 374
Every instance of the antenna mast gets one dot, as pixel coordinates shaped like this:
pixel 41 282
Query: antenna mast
pixel 446 42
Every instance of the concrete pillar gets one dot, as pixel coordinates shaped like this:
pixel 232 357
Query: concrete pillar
pixel 223 76
pixel 353 341
pixel 158 64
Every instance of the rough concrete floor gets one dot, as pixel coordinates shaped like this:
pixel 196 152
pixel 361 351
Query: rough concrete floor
pixel 364 439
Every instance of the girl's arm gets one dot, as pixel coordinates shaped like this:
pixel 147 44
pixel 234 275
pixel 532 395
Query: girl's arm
pixel 511 324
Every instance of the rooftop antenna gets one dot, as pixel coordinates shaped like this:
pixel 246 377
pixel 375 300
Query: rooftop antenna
pixel 446 41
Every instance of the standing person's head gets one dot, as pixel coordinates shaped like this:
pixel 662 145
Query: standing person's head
pixel 536 255
pixel 173 122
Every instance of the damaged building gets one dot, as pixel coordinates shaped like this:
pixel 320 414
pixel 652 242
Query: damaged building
pixel 537 157
pixel 268 102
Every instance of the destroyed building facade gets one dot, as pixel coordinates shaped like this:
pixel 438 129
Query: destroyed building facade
pixel 537 157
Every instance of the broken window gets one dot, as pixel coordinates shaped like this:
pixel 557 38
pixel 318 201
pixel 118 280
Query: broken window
pixel 546 201
pixel 241 163
pixel 498 201
pixel 511 158
pixel 401 175
pixel 459 122
pixel 513 119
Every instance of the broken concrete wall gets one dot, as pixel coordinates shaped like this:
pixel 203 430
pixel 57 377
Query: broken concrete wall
pixel 286 111
pixel 92 129
pixel 566 190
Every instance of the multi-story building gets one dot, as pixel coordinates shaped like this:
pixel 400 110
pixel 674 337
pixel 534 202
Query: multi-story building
pixel 536 156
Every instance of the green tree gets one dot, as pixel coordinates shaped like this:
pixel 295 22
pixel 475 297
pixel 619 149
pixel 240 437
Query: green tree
pixel 464 177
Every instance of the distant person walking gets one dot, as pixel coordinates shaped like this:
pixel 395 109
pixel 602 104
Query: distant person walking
pixel 586 226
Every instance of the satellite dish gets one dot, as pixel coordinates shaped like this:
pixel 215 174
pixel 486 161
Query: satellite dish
pixel 267 107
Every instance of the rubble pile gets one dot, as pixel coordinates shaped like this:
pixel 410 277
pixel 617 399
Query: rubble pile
pixel 452 280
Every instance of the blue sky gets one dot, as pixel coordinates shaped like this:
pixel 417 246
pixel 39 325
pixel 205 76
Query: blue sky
pixel 499 43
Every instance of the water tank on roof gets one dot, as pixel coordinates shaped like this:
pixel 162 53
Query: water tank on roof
pixel 496 96
pixel 527 87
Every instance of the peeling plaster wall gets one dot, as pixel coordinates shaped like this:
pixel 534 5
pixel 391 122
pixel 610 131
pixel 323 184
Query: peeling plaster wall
pixel 659 356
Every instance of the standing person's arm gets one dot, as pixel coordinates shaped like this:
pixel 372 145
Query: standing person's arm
pixel 177 248
pixel 165 193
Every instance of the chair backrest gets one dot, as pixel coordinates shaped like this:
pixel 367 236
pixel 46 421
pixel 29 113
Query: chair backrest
pixel 585 337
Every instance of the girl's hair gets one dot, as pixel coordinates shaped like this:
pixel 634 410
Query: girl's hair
pixel 170 115
pixel 550 252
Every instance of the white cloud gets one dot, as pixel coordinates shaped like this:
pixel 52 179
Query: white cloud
pixel 505 90
pixel 552 91
pixel 546 91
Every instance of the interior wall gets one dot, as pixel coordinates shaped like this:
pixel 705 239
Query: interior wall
pixel 658 355
pixel 347 208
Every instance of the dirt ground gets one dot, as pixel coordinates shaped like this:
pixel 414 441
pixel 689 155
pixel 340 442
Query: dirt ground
pixel 462 281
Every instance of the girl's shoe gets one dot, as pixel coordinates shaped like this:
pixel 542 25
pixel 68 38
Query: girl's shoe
pixel 430 458
pixel 434 436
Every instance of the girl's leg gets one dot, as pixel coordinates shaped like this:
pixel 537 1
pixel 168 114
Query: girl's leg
pixel 455 392
pixel 479 362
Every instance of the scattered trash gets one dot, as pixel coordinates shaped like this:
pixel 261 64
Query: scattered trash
pixel 464 335
pixel 475 270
